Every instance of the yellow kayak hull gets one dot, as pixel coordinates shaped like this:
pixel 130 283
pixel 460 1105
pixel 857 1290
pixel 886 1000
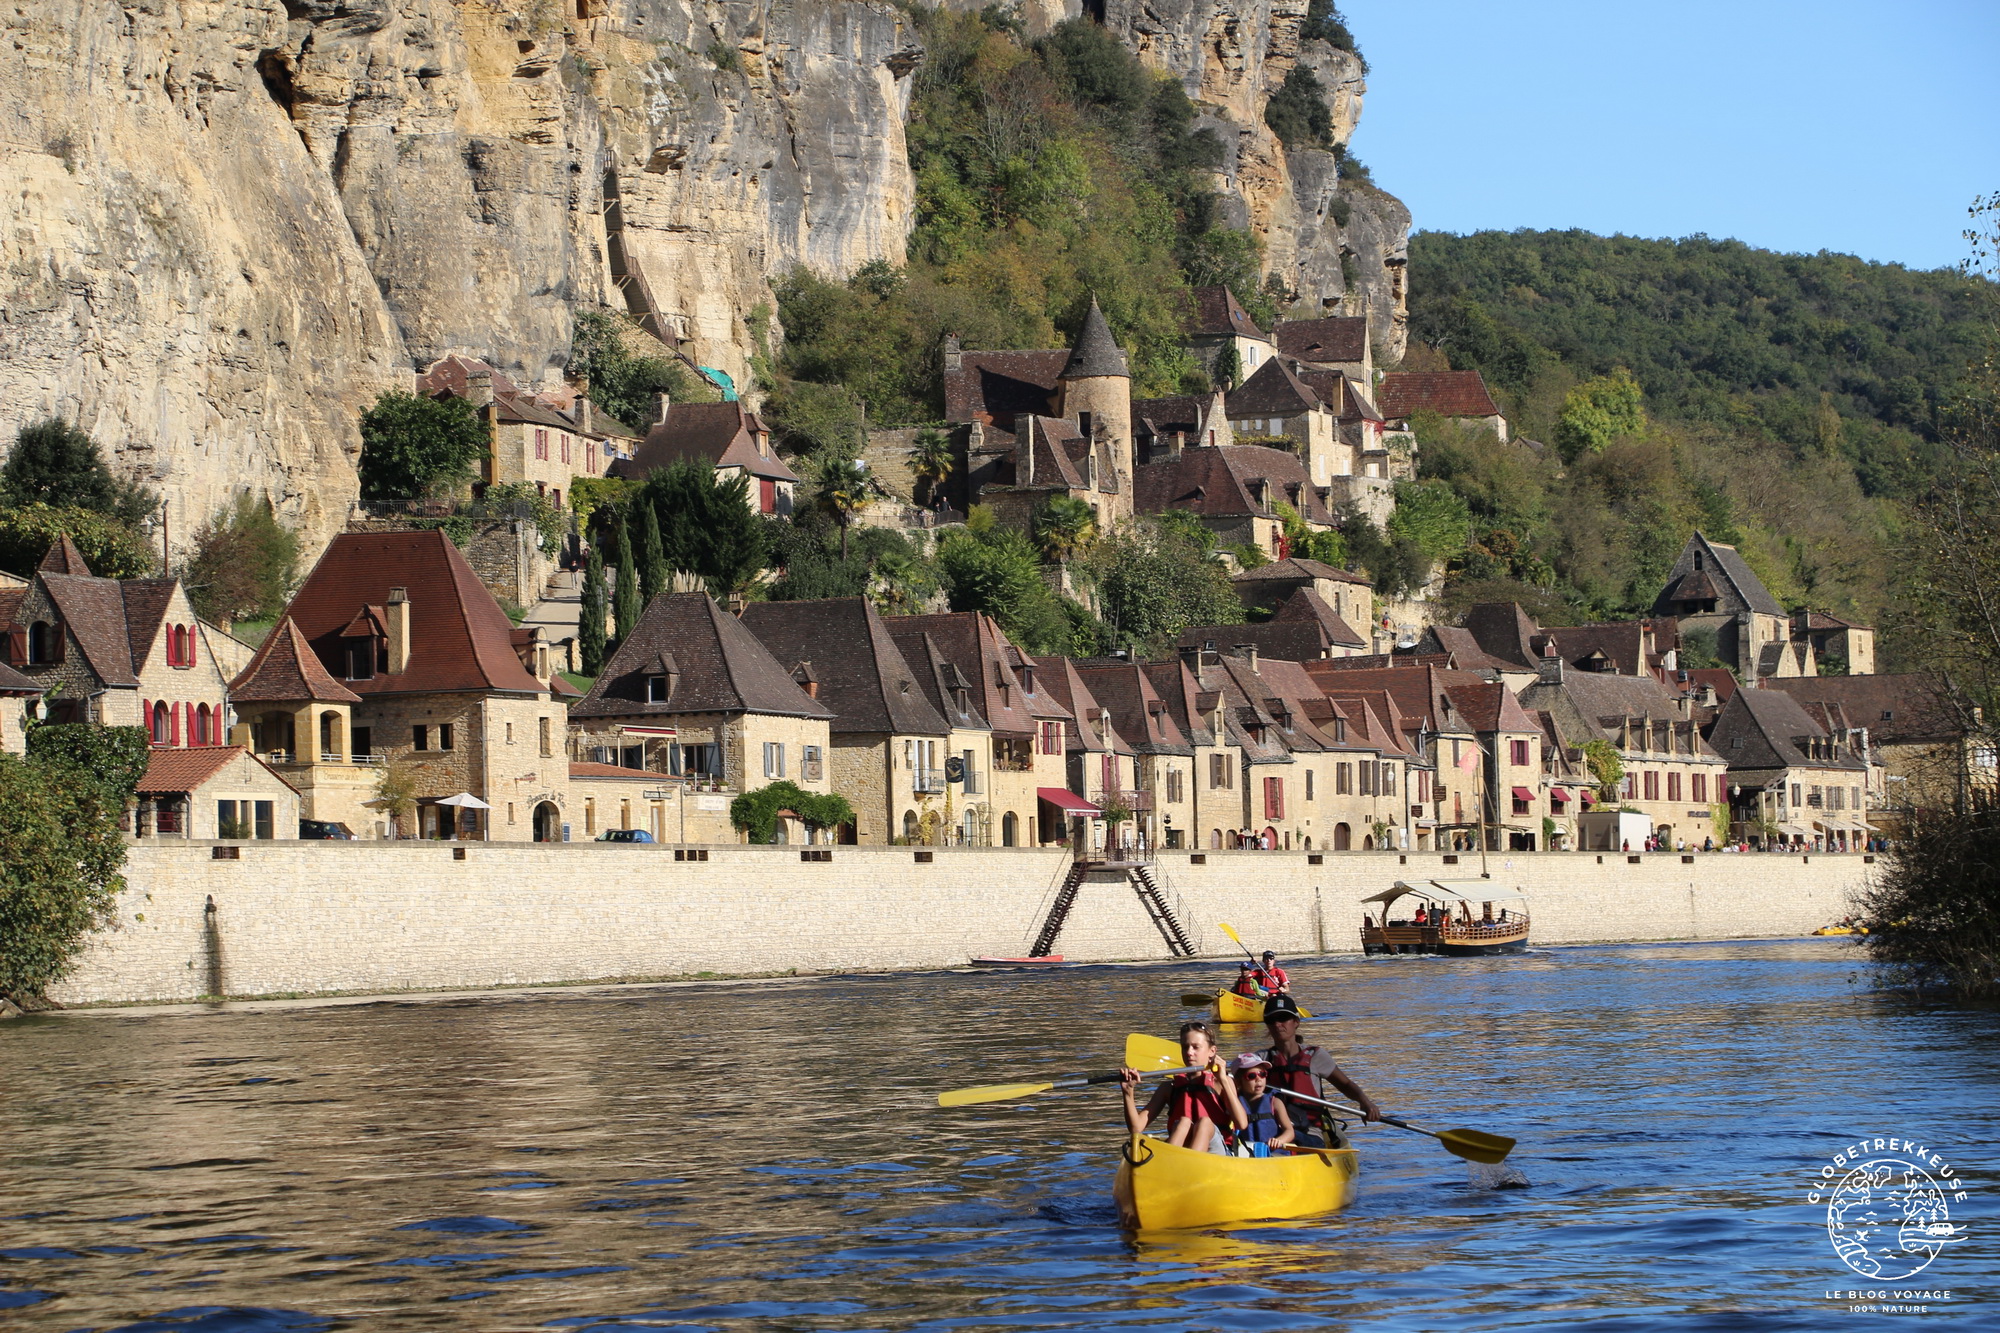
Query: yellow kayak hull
pixel 1233 1008
pixel 1164 1188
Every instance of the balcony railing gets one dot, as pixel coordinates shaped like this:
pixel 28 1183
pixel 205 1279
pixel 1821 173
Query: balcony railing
pixel 928 784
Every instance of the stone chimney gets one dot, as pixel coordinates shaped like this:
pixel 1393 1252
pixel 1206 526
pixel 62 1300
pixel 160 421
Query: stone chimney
pixel 1248 652
pixel 661 402
pixel 479 387
pixel 586 415
pixel 398 612
pixel 1552 670
pixel 954 354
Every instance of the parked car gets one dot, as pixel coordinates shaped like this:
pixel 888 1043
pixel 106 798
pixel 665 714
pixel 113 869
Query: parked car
pixel 325 829
pixel 625 835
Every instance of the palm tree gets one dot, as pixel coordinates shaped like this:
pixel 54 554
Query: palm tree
pixel 931 461
pixel 844 491
pixel 1065 526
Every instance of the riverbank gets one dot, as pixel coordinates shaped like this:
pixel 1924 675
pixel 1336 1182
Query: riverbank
pixel 315 919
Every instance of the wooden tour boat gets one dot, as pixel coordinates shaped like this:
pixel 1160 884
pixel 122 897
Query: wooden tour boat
pixel 1161 1187
pixel 1460 919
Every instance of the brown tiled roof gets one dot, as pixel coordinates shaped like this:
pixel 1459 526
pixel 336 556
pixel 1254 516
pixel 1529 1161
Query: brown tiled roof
pixel 1419 691
pixel 1284 640
pixel 13 682
pixel 717 433
pixel 1297 569
pixel 1463 649
pixel 1305 604
pixel 1138 712
pixel 1003 385
pixel 1213 310
pixel 1631 646
pixel 1504 630
pixel 286 670
pixel 1694 586
pixel 941 681
pixel 1598 696
pixel 1177 688
pixel 1335 338
pixel 1090 727
pixel 723 668
pixel 862 675
pixel 1451 393
pixel 449 375
pixel 460 639
pixel 1721 679
pixel 145 607
pixel 1214 481
pixel 178 771
pixel 1274 391
pixel 1897 709
pixel 1490 707
pixel 973 643
pixel 1095 354
pixel 93 611
pixel 1165 416
pixel 64 558
pixel 1769 722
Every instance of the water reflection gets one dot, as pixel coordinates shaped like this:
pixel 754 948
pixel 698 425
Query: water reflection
pixel 771 1157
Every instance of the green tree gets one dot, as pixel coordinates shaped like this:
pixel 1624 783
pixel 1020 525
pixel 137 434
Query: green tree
pixel 1599 411
pixel 627 605
pixel 1065 527
pixel 1297 112
pixel 844 489
pixel 1433 517
pixel 54 463
pixel 625 384
pixel 60 847
pixel 996 571
pixel 1228 366
pixel 755 813
pixel 654 577
pixel 417 448
pixel 1605 766
pixel 111 548
pixel 243 564
pixel 1154 580
pixel 396 795
pixel 590 627
pixel 931 462
pixel 707 525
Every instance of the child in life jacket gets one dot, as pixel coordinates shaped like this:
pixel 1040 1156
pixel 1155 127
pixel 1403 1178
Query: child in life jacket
pixel 1270 1123
pixel 1201 1105
pixel 1248 982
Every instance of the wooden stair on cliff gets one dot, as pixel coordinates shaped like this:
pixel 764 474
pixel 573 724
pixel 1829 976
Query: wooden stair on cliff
pixel 1163 916
pixel 1052 924
pixel 1150 897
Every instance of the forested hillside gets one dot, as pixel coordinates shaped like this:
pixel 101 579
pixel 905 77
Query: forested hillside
pixel 1790 403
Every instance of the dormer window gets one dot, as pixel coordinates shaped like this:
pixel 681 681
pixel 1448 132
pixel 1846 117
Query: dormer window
pixel 1027 678
pixel 656 689
pixel 361 659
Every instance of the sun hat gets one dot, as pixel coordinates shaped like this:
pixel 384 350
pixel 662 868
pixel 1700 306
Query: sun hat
pixel 1247 1061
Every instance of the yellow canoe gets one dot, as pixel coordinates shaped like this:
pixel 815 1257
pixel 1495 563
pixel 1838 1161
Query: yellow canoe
pixel 1233 1008
pixel 1163 1188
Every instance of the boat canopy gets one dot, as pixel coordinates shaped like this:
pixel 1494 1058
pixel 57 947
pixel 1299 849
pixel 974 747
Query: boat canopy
pixel 1453 890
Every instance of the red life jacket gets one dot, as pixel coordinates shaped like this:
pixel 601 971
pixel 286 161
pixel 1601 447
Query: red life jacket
pixel 1192 1099
pixel 1273 978
pixel 1294 1072
pixel 1246 984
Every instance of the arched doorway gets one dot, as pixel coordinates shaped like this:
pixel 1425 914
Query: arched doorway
pixel 1010 830
pixel 1268 839
pixel 1367 842
pixel 548 822
pixel 332 745
pixel 910 827
pixel 1343 838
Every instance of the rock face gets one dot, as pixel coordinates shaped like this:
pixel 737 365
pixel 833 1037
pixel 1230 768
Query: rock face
pixel 231 223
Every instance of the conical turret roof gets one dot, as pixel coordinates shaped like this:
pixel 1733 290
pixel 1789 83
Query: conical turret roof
pixel 1096 352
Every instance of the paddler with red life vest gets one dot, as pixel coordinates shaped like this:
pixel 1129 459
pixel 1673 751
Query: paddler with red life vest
pixel 1300 1068
pixel 1248 983
pixel 1272 977
pixel 1201 1105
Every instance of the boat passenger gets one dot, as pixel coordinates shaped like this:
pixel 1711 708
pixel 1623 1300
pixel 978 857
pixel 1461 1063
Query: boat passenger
pixel 1273 978
pixel 1201 1105
pixel 1420 918
pixel 1300 1068
pixel 1248 982
pixel 1271 1123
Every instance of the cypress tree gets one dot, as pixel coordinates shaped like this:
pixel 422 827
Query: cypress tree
pixel 626 605
pixel 653 577
pixel 590 633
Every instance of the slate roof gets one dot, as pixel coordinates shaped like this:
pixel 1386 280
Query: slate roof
pixel 1347 399
pixel 178 771
pixel 1297 569
pixel 972 642
pixel 1462 649
pixel 64 558
pixel 1002 385
pixel 13 682
pixel 460 639
pixel 1769 723
pixel 1095 353
pixel 145 607
pixel 1291 640
pixel 1729 563
pixel 1820 620
pixel 93 611
pixel 863 677
pixel 722 667
pixel 1603 700
pixel 1138 713
pixel 724 434
pixel 1275 391
pixel 1897 709
pixel 1633 647
pixel 1490 706
pixel 1165 416
pixel 1214 481
pixel 1178 690
pixel 1090 728
pixel 286 670
pixel 1721 679
pixel 1420 691
pixel 1305 604
pixel 1451 393
pixel 941 681
pixel 1215 312
pixel 1693 586
pixel 1505 631
pixel 1335 338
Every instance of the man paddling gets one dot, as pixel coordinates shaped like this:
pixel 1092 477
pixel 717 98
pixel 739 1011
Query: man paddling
pixel 1272 977
pixel 1300 1068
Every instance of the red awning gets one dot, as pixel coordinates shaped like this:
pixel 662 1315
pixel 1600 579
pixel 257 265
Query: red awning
pixel 1523 794
pixel 1064 799
pixel 1590 798
pixel 1558 795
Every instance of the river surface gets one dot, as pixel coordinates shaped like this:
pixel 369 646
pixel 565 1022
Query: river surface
pixel 770 1156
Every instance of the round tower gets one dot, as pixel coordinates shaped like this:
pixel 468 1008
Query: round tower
pixel 1096 388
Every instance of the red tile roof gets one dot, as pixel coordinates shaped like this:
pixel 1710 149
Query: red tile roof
pixel 1451 393
pixel 181 771
pixel 1337 338
pixel 285 670
pixel 460 639
pixel 64 558
pixel 1214 311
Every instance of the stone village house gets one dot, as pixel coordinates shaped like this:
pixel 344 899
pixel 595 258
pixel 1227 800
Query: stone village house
pixel 1794 779
pixel 729 437
pixel 544 440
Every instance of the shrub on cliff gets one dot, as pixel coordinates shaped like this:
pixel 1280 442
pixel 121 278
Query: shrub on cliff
pixel 416 448
pixel 625 384
pixel 244 563
pixel 1297 112
pixel 60 846
pixel 53 463
pixel 112 549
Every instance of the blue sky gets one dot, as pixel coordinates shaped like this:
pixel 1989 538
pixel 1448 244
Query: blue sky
pixel 1831 125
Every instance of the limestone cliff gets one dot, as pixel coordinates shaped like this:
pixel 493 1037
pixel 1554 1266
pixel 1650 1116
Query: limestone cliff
pixel 233 222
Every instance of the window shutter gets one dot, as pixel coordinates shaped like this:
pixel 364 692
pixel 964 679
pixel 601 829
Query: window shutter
pixel 193 644
pixel 146 717
pixel 174 725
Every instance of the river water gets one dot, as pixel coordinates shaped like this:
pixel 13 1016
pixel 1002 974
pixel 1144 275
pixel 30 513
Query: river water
pixel 770 1156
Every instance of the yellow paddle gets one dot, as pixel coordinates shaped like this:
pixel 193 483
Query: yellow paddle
pixel 1146 1053
pixel 1197 997
pixel 1004 1092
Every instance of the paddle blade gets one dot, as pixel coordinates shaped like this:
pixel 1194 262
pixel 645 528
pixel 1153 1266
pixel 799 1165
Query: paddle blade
pixel 1476 1146
pixel 1143 1052
pixel 995 1092
pixel 1193 998
pixel 1230 931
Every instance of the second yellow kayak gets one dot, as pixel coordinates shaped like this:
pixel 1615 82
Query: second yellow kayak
pixel 1233 1008
pixel 1162 1188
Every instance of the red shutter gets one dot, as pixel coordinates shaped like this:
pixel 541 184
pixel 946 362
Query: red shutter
pixel 193 644
pixel 174 722
pixel 146 718
pixel 767 495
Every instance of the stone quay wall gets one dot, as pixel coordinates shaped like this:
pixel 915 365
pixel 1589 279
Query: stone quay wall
pixel 318 918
